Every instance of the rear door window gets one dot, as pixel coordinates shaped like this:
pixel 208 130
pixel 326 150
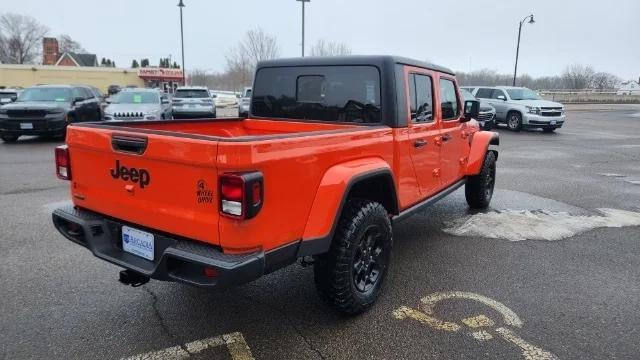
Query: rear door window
pixel 421 94
pixel 496 93
pixel 448 100
pixel 484 93
pixel 192 93
pixel 323 93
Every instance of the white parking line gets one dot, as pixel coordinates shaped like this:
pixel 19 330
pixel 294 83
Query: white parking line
pixel 235 343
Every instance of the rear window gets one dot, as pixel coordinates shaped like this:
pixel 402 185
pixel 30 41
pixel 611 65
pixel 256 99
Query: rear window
pixel 196 93
pixel 324 93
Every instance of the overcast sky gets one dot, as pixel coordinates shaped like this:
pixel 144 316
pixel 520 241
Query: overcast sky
pixel 461 34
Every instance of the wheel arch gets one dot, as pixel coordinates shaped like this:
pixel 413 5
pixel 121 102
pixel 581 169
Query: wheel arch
pixel 481 142
pixel 370 179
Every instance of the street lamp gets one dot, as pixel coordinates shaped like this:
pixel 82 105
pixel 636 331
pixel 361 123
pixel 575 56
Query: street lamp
pixel 184 71
pixel 303 1
pixel 531 21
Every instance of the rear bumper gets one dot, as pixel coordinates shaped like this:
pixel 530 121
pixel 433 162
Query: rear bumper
pixel 175 259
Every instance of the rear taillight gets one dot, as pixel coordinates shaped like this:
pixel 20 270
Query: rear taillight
pixel 241 194
pixel 63 164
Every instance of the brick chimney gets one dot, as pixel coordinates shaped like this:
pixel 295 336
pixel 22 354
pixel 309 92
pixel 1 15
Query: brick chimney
pixel 50 51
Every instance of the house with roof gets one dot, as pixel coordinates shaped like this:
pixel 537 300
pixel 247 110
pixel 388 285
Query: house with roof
pixel 51 55
pixel 73 59
pixel 629 88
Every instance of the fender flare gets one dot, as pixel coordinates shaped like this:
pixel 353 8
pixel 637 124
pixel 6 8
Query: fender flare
pixel 331 197
pixel 481 142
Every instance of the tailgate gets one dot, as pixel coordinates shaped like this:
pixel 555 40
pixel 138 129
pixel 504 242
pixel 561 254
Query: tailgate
pixel 161 182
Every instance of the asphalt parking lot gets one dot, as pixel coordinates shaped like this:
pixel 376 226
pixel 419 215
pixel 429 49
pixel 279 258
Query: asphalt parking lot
pixel 453 291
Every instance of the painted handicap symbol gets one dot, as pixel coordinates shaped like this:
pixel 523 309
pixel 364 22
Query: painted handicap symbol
pixel 479 326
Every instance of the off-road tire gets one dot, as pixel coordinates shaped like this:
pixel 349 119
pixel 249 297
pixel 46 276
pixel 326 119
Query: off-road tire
pixel 9 138
pixel 514 121
pixel 337 285
pixel 479 188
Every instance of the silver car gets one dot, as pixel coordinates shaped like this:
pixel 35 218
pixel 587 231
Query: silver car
pixel 522 108
pixel 245 102
pixel 193 102
pixel 138 104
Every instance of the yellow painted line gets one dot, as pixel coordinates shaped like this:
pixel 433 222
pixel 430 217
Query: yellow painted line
pixel 406 312
pixel 478 321
pixel 509 317
pixel 529 352
pixel 234 342
pixel 481 335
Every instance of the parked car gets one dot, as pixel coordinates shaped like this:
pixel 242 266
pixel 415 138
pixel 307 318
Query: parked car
pixel 47 110
pixel 101 97
pixel 193 102
pixel 113 89
pixel 486 114
pixel 244 103
pixel 138 104
pixel 337 150
pixel 8 96
pixel 224 98
pixel 519 108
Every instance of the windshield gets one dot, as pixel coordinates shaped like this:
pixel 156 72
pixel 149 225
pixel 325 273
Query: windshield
pixel 46 94
pixel 182 93
pixel 522 94
pixel 7 95
pixel 324 93
pixel 135 97
pixel 467 95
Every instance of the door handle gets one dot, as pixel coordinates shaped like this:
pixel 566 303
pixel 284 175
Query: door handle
pixel 420 143
pixel 446 137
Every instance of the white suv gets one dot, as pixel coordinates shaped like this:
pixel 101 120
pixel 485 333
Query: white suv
pixel 520 108
pixel 193 102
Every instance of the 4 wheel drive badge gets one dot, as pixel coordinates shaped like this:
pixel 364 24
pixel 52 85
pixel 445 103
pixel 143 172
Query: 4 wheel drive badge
pixel 204 195
pixel 479 326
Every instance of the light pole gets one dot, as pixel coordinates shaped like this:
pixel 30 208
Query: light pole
pixel 531 21
pixel 184 71
pixel 303 1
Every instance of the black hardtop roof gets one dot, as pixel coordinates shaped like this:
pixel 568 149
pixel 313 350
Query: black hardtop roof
pixel 377 60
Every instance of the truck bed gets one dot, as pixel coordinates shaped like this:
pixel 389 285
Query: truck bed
pixel 183 159
pixel 226 128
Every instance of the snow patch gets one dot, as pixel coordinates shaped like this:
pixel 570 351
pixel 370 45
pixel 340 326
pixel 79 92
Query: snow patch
pixel 517 225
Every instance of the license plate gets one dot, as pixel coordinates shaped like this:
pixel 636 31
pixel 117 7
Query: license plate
pixel 26 126
pixel 138 242
pixel 552 122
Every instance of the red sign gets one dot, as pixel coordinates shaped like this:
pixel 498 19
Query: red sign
pixel 160 74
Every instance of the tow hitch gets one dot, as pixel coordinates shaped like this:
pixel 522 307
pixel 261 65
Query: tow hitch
pixel 132 278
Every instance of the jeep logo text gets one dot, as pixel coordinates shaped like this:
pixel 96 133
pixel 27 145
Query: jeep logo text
pixel 137 176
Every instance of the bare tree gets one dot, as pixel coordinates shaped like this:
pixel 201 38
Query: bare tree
pixel 605 81
pixel 21 38
pixel 67 44
pixel 257 45
pixel 330 48
pixel 577 77
pixel 242 59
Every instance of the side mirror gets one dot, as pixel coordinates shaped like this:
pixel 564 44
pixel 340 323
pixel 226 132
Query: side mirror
pixel 14 98
pixel 78 99
pixel 108 100
pixel 165 101
pixel 471 110
pixel 502 97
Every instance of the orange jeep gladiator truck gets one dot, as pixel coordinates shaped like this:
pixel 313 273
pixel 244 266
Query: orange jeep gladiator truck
pixel 334 151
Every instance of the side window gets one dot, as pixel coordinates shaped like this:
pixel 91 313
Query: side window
pixel 88 94
pixel 448 100
pixel 420 89
pixel 78 93
pixel 484 93
pixel 496 93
